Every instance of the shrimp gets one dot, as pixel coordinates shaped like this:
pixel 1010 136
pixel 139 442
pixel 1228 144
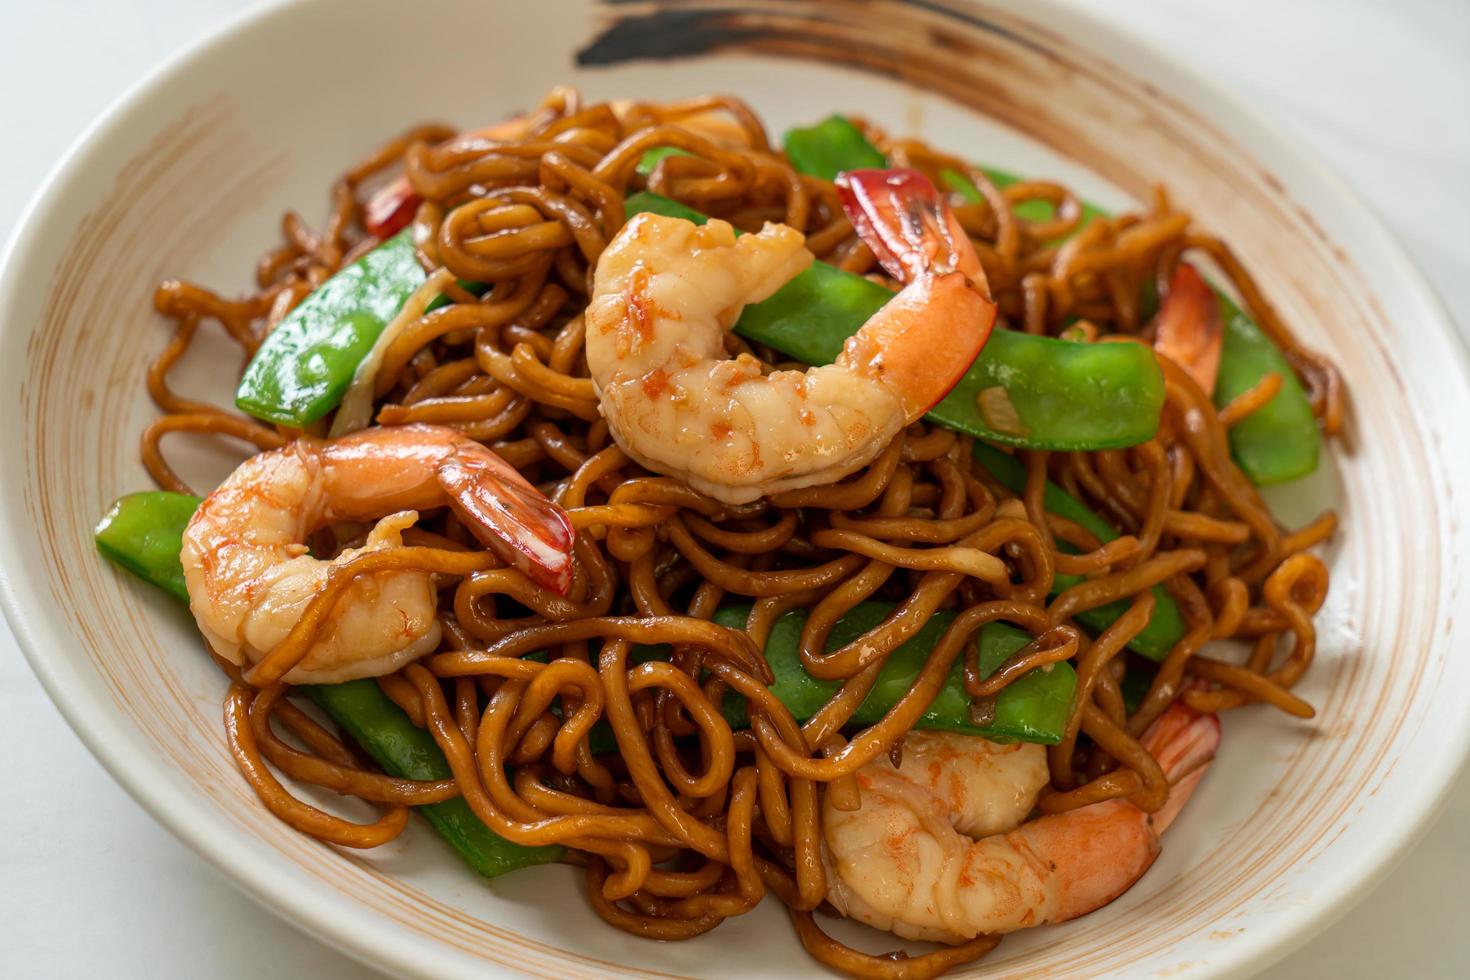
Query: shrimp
pixel 249 575
pixel 1189 330
pixel 665 293
pixel 936 849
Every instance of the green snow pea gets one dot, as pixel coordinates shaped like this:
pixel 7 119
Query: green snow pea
pixel 302 370
pixel 144 533
pixel 829 147
pixel 1033 708
pixel 652 158
pixel 362 710
pixel 1279 441
pixel 957 182
pixel 1165 626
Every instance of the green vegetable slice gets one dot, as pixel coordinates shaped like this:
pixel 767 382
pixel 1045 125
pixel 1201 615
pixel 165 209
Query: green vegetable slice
pixel 144 533
pixel 1034 708
pixel 1280 442
pixel 1166 625
pixel 651 159
pixel 363 711
pixel 302 370
pixel 829 147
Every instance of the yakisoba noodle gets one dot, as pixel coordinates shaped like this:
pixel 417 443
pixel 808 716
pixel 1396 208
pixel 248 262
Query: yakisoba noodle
pixel 692 823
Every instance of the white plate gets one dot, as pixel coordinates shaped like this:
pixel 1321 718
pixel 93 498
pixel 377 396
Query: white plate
pixel 188 174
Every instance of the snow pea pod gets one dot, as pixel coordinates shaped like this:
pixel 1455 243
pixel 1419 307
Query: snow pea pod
pixel 1023 390
pixel 651 158
pixel 1279 441
pixel 363 711
pixel 829 147
pixel 835 144
pixel 302 370
pixel 957 182
pixel 143 533
pixel 1166 625
pixel 143 530
pixel 1032 708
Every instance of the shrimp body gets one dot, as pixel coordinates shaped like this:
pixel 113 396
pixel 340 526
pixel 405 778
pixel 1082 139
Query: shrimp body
pixel 665 294
pixel 924 861
pixel 250 577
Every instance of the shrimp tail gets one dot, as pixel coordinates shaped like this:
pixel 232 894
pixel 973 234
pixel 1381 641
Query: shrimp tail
pixel 1121 838
pixel 945 304
pixel 1184 742
pixel 1116 833
pixel 509 516
pixel 900 215
pixel 1189 330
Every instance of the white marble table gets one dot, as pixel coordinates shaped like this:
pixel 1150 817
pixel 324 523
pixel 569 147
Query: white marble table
pixel 92 887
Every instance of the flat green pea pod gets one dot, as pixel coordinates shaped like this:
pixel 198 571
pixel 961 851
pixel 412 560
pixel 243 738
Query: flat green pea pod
pixel 957 182
pixel 304 367
pixel 1165 627
pixel 1034 392
pixel 143 532
pixel 1279 441
pixel 829 147
pixel 363 711
pixel 652 158
pixel 1032 708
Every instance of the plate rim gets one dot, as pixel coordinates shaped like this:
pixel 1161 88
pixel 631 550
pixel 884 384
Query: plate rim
pixel 349 929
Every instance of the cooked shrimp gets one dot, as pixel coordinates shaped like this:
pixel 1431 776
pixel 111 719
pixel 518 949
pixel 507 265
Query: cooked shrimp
pixel 249 575
pixel 922 856
pixel 988 786
pixel 1189 330
pixel 666 291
